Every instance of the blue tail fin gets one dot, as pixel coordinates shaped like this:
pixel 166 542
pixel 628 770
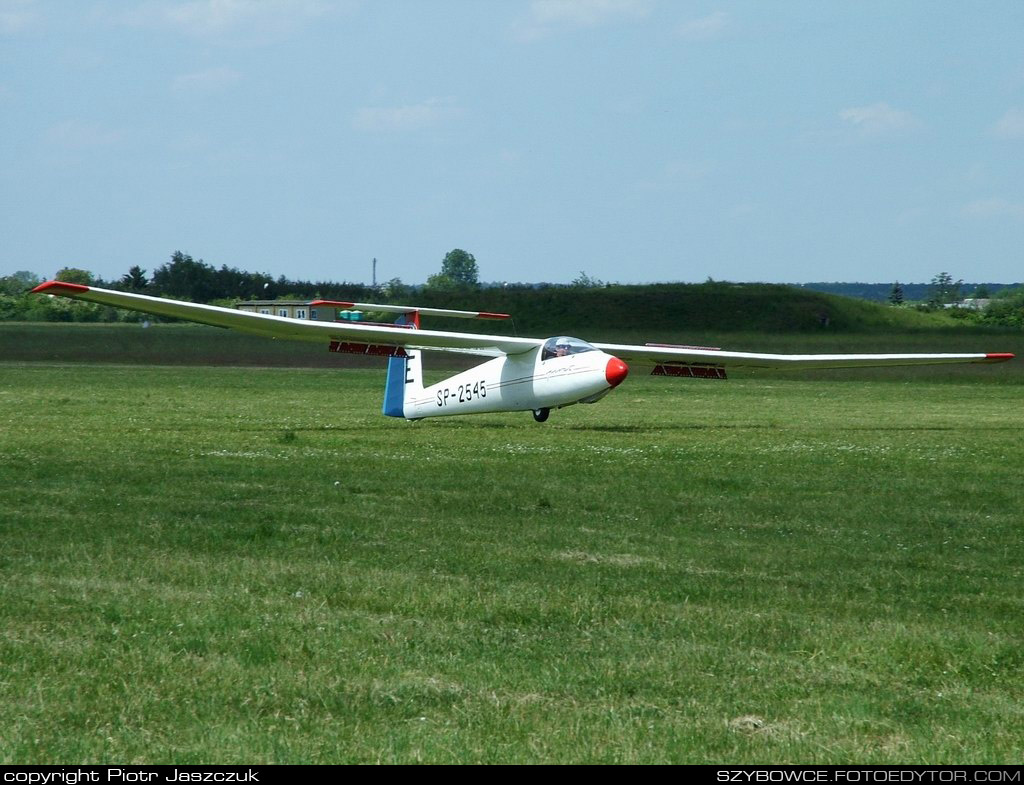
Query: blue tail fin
pixel 394 388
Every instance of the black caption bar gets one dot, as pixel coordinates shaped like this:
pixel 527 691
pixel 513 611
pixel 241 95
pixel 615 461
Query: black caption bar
pixel 748 775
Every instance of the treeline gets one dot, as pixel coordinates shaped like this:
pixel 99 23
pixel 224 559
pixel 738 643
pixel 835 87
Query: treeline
pixel 992 304
pixel 185 278
pixel 541 308
pixel 882 292
pixel 182 278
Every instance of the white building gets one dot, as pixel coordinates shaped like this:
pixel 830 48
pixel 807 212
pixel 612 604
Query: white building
pixel 291 309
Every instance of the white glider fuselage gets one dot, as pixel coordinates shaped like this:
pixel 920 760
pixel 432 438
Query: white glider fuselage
pixel 518 382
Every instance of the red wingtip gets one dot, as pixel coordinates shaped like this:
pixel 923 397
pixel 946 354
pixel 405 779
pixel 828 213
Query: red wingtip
pixel 58 285
pixel 999 357
pixel 489 315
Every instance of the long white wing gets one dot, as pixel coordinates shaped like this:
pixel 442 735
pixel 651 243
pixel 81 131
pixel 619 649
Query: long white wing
pixel 673 359
pixel 669 356
pixel 296 329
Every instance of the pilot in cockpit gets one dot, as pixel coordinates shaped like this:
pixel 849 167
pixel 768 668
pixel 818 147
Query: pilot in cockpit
pixel 563 346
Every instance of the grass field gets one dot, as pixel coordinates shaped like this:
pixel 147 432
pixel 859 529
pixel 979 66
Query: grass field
pixel 253 565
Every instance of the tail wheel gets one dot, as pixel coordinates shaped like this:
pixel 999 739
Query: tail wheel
pixel 541 415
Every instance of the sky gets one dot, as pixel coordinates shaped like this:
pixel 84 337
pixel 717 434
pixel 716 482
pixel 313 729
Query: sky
pixel 630 140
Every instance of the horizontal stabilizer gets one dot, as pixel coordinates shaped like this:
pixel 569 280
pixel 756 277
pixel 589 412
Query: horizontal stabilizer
pixel 410 309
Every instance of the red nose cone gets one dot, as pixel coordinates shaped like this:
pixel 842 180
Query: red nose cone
pixel 615 371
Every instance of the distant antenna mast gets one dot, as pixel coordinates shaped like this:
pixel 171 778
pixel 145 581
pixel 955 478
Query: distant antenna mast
pixel 374 272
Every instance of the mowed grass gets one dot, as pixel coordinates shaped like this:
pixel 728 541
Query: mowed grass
pixel 245 565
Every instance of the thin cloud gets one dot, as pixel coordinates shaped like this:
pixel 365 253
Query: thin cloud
pixel 76 134
pixel 676 174
pixel 879 119
pixel 1010 125
pixel 218 17
pixel 705 28
pixel 411 117
pixel 911 215
pixel 547 15
pixel 994 208
pixel 209 81
pixel 587 13
pixel 16 15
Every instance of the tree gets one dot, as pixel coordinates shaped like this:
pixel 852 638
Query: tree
pixel 1006 309
pixel 458 271
pixel 896 295
pixel 135 279
pixel 584 281
pixel 187 278
pixel 74 275
pixel 395 289
pixel 18 283
pixel 944 290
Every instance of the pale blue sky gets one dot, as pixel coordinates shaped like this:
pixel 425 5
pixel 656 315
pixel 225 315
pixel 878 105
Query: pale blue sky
pixel 636 140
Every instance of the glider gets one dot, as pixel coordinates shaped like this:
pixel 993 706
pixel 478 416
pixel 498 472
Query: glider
pixel 522 374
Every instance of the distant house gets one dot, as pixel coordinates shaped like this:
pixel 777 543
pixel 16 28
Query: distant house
pixel 301 309
pixel 975 304
pixel 291 309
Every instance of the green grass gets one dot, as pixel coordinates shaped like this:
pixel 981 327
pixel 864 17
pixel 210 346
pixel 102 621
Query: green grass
pixel 253 565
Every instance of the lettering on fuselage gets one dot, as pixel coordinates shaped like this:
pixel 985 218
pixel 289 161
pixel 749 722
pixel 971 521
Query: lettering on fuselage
pixel 408 370
pixel 378 350
pixel 461 394
pixel 690 371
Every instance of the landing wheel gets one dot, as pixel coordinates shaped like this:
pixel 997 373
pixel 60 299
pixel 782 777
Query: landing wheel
pixel 541 415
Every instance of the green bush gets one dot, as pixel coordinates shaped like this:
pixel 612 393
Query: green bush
pixel 1007 311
